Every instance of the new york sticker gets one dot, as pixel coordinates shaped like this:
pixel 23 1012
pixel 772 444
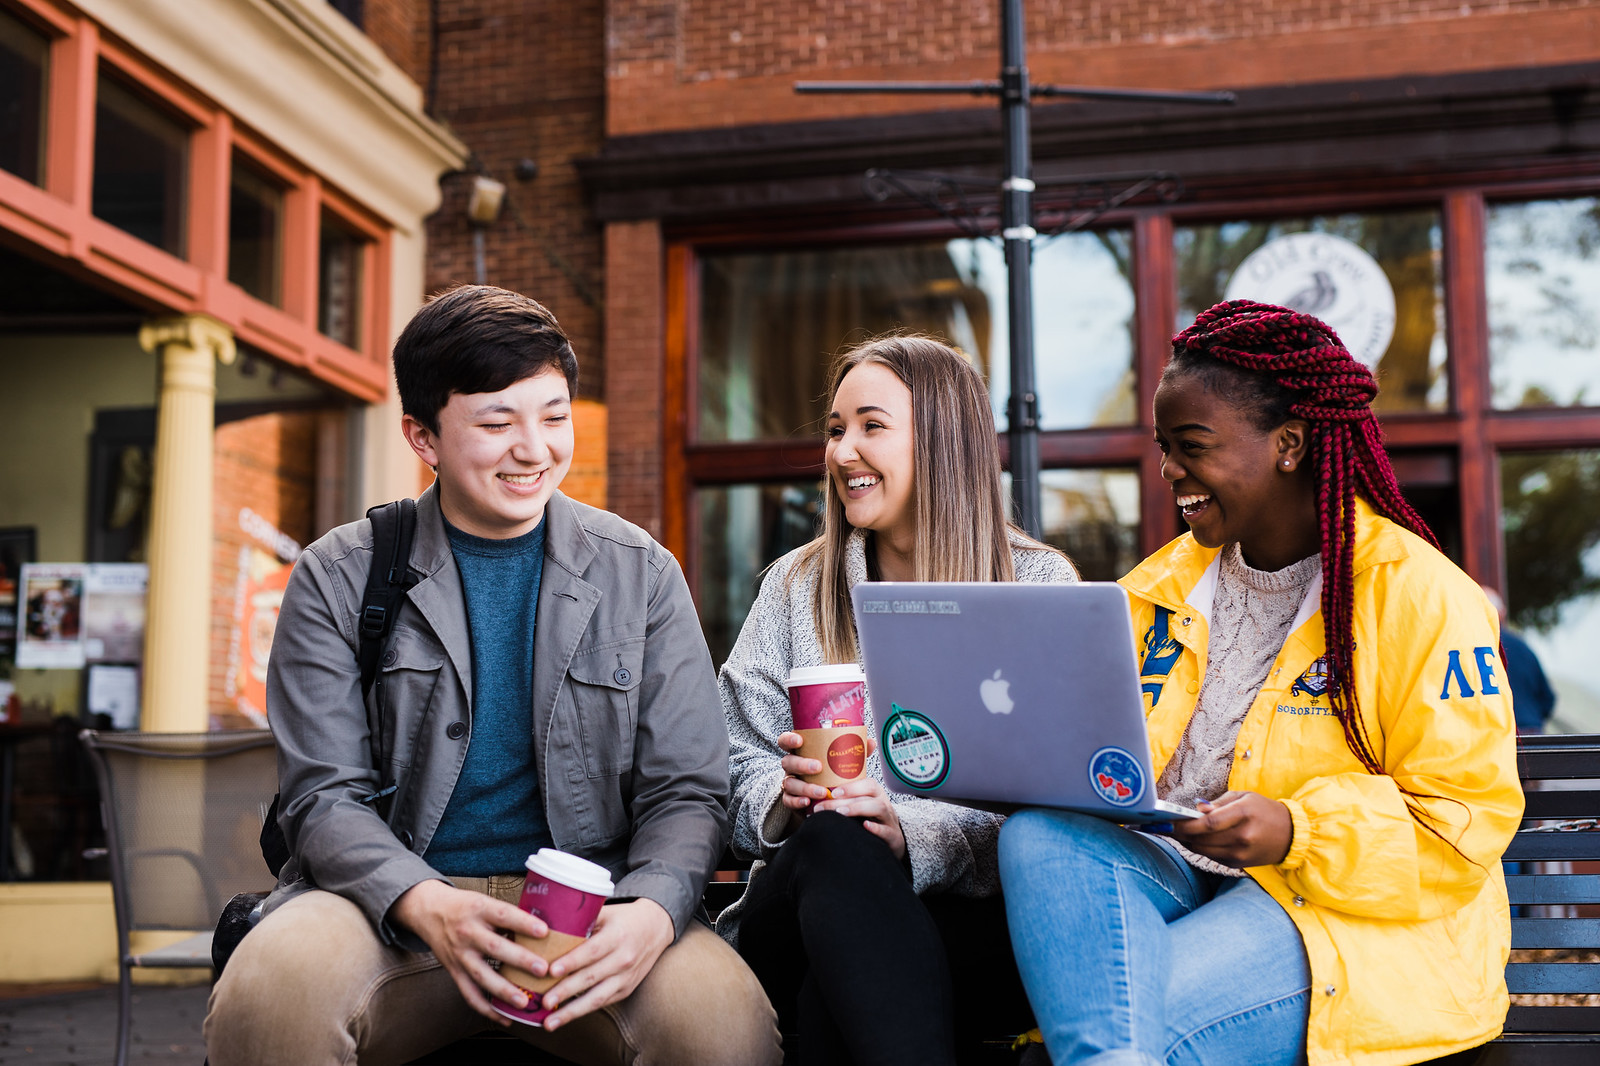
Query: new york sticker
pixel 914 749
pixel 1117 776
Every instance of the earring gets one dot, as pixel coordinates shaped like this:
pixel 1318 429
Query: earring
pixel 1286 464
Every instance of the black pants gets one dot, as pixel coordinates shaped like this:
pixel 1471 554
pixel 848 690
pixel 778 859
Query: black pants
pixel 862 968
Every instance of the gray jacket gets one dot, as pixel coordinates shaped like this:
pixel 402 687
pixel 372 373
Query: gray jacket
pixel 630 743
pixel 950 848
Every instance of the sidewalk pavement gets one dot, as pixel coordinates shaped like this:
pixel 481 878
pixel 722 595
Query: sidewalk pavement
pixel 76 1026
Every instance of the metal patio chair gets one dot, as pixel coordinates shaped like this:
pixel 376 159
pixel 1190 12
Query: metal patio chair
pixel 183 813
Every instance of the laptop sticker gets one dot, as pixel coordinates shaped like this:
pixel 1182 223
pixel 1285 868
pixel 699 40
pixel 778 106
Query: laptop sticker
pixel 914 748
pixel 1116 776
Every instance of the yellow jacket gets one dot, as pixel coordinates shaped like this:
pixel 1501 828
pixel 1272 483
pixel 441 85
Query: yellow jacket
pixel 1407 939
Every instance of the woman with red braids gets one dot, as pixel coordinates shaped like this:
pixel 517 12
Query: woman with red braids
pixel 1325 686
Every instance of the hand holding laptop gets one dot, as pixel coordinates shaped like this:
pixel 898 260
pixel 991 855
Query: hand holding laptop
pixel 1239 829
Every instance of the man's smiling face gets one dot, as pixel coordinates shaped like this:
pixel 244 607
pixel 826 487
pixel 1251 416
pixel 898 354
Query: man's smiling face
pixel 499 455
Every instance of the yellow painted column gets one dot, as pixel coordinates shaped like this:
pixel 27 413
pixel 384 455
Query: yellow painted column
pixel 177 630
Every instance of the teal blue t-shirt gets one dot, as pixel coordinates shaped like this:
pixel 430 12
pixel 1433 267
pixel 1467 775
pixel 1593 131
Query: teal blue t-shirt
pixel 495 818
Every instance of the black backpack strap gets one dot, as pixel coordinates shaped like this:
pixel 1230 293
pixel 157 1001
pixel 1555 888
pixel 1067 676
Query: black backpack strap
pixel 394 526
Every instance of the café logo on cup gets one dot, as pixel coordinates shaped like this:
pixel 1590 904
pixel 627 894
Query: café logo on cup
pixel 914 748
pixel 847 755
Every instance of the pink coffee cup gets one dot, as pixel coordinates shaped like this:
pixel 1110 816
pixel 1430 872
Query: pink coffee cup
pixel 829 705
pixel 566 893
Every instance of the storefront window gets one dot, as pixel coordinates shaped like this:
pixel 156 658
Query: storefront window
pixel 1093 516
pixel 255 219
pixel 1551 518
pixel 23 56
pixel 742 529
pixel 141 159
pixel 1376 279
pixel 339 282
pixel 1542 276
pixel 771 321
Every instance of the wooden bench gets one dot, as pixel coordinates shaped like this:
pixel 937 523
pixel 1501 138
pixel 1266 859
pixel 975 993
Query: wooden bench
pixel 1562 778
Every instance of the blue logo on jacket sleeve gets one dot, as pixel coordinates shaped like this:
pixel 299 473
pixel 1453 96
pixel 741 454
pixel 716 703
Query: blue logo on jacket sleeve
pixel 1116 776
pixel 1161 651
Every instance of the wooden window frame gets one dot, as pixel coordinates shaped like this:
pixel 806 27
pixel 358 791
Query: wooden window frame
pixel 1470 435
pixel 55 218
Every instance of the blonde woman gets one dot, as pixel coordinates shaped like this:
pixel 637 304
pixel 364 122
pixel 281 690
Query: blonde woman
pixel 870 917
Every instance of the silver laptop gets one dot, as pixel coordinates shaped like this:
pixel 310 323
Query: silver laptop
pixel 1010 695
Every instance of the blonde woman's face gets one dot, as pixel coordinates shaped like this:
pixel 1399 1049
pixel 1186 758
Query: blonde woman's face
pixel 869 454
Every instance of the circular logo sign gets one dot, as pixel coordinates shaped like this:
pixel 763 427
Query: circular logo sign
pixel 1326 277
pixel 1117 776
pixel 914 749
pixel 847 755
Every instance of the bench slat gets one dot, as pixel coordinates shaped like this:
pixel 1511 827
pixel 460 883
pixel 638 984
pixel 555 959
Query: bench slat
pixel 1533 978
pixel 1538 1050
pixel 1561 803
pixel 1557 847
pixel 1555 756
pixel 1553 1020
pixel 1555 932
pixel 1553 888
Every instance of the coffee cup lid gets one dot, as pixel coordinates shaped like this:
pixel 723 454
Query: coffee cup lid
pixel 570 870
pixel 835 673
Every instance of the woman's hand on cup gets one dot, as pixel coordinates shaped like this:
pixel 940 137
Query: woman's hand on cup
pixel 799 795
pixel 864 798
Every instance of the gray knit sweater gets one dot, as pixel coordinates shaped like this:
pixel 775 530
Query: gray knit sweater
pixel 1251 615
pixel 951 848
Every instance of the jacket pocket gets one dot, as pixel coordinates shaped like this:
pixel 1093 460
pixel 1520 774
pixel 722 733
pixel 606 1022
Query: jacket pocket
pixel 604 683
pixel 409 668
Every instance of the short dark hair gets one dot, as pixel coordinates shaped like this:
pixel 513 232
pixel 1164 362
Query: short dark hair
pixel 476 338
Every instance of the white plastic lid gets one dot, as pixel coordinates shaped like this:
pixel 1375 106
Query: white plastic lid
pixel 570 870
pixel 833 673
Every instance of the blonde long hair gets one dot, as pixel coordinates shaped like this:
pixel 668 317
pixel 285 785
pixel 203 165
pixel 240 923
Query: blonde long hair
pixel 963 533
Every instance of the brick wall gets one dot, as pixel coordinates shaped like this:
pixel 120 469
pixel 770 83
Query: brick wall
pixel 400 28
pixel 268 464
pixel 634 340
pixel 675 65
pixel 526 80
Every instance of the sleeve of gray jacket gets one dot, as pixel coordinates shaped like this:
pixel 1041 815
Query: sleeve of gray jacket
pixel 680 765
pixel 318 717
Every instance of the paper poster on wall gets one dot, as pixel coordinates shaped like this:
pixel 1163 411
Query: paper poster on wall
pixel 113 612
pixel 51 631
pixel 114 692
pixel 264 569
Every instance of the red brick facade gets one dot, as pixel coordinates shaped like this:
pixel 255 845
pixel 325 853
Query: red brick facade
pixel 548 82
pixel 678 66
pixel 526 81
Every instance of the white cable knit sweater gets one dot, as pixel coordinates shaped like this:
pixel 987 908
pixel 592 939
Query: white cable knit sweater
pixel 951 848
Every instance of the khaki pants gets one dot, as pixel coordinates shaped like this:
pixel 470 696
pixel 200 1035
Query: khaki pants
pixel 313 986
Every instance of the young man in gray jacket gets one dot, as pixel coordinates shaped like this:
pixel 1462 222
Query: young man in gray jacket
pixel 546 684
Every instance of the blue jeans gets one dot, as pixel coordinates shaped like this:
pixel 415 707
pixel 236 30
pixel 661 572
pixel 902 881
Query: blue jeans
pixel 1132 957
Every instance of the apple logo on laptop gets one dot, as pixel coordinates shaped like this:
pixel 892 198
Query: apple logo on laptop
pixel 996 695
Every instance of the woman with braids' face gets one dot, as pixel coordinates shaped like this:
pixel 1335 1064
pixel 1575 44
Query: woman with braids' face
pixel 1323 686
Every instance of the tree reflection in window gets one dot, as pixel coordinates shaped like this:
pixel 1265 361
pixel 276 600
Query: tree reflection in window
pixel 1542 278
pixel 771 321
pixel 1551 518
